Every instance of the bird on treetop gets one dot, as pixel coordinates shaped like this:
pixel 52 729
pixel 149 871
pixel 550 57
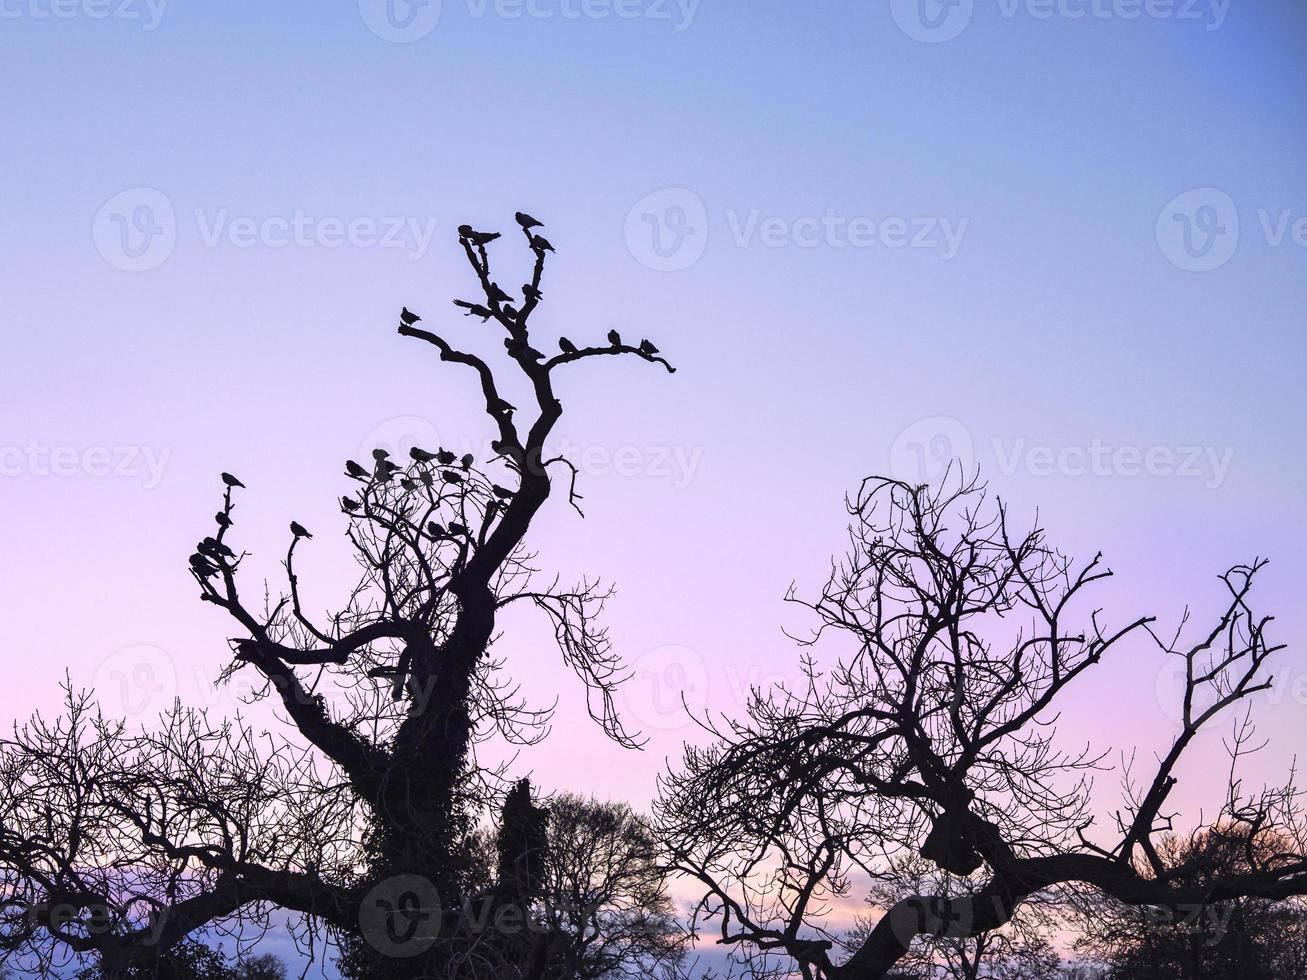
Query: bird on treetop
pixel 231 481
pixel 298 529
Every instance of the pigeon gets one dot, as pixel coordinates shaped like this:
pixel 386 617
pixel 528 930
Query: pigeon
pixel 445 457
pixel 298 529
pixel 380 454
pixel 474 309
pixel 435 530
pixel 421 455
pixel 614 338
pixel 467 461
pixel 385 469
pixel 202 567
pixel 566 346
pixel 510 312
pixel 212 546
pixel 503 493
pixel 408 484
pixel 497 295
pixel 407 317
pixel 526 221
pixel 520 348
pixel 425 477
pixel 480 238
pixel 349 504
pixel 499 447
pixel 647 348
pixel 530 292
pixel 354 470
pixel 222 519
pixel 540 244
pixel 231 481
pixel 452 476
pixel 456 528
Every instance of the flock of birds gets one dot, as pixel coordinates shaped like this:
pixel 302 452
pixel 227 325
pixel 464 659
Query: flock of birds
pixel 503 303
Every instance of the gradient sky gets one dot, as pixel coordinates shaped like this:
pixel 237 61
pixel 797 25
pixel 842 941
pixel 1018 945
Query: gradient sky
pixel 1067 311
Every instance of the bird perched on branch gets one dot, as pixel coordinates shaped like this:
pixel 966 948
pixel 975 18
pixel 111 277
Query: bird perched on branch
pixel 497 295
pixel 349 504
pixel 354 470
pixel 541 244
pixel 445 457
pixel 421 455
pixel 298 530
pixel 231 481
pixel 526 221
pixel 614 338
pixel 221 519
pixel 407 317
pixel 479 238
pixel 647 348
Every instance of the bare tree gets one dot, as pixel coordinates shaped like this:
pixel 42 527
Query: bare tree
pixel 118 845
pixel 935 735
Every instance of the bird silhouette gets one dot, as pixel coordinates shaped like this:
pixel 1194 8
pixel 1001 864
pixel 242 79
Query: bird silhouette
pixel 380 454
pixel 526 221
pixel 231 481
pixel 445 457
pixel 497 295
pixel 467 461
pixel 474 309
pixel 530 292
pixel 354 470
pixel 421 455
pixel 385 469
pixel 222 519
pixel 614 338
pixel 503 493
pixel 541 244
pixel 481 238
pixel 435 530
pixel 452 476
pixel 349 504
pixel 203 567
pixel 407 317
pixel 298 529
pixel 566 346
pixel 647 348
pixel 457 528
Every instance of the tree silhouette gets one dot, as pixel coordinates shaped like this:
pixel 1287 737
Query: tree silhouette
pixel 935 736
pixel 119 845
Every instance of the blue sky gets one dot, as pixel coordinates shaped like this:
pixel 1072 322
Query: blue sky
pixel 875 248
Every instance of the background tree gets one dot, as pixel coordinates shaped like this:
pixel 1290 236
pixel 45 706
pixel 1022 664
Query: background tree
pixel 117 845
pixel 1251 938
pixel 934 736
